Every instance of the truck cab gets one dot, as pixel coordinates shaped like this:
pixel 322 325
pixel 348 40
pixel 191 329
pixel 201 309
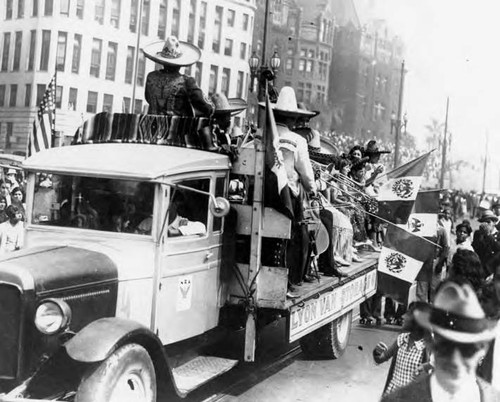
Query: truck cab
pixel 125 264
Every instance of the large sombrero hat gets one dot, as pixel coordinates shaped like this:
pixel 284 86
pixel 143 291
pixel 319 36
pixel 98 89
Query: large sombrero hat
pixel 302 106
pixel 457 315
pixel 287 104
pixel 224 105
pixel 172 52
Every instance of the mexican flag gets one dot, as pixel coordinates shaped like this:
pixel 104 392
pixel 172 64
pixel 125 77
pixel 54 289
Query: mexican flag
pixel 424 216
pixel 403 255
pixel 398 194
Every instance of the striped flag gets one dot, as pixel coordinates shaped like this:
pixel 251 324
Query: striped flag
pixel 397 195
pixel 44 126
pixel 424 216
pixel 277 191
pixel 403 255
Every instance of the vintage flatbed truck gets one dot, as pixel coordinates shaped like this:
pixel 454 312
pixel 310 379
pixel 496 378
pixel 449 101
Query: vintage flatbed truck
pixel 91 310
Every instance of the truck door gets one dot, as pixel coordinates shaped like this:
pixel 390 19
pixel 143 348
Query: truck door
pixel 190 260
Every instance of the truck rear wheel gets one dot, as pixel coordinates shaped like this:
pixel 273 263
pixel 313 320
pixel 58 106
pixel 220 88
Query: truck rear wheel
pixel 127 374
pixel 329 341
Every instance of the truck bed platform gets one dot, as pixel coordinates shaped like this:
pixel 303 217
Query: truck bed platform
pixel 328 283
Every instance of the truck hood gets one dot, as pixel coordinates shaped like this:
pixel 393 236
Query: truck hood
pixel 47 268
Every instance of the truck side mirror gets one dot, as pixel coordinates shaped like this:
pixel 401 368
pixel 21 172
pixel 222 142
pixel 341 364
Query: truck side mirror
pixel 219 206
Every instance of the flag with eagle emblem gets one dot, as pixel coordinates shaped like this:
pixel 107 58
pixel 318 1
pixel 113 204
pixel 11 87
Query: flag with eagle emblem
pixel 403 255
pixel 397 195
pixel 424 216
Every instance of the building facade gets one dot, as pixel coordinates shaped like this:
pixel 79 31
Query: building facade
pixel 301 33
pixel 92 44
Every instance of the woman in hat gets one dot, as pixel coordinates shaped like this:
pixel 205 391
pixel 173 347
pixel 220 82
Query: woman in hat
pixel 169 92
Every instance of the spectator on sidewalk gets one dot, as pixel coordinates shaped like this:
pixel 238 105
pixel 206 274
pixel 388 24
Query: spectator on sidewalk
pixel 460 334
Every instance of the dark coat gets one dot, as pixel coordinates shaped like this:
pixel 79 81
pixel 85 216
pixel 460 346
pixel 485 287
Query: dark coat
pixel 485 369
pixel 420 391
pixel 175 94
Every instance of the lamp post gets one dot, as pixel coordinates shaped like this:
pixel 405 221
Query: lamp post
pixel 396 121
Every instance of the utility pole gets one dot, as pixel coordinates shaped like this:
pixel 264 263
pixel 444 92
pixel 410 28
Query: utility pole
pixel 398 117
pixel 445 146
pixel 485 167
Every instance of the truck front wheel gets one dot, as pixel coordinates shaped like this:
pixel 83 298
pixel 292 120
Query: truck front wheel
pixel 329 341
pixel 127 374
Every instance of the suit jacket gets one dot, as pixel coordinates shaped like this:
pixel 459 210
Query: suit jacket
pixel 420 391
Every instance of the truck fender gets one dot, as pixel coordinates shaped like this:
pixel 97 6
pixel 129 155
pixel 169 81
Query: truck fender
pixel 95 342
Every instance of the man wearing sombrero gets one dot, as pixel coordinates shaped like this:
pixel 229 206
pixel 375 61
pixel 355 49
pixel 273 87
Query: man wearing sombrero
pixel 169 92
pixel 460 336
pixel 225 109
pixel 300 178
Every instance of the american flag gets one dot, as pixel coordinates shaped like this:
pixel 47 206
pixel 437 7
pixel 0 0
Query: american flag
pixel 45 122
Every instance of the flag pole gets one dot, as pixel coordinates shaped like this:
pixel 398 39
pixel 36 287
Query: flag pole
pixel 136 61
pixel 55 112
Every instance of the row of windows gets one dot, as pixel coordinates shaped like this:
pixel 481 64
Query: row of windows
pixel 245 24
pixel 107 104
pixel 96 59
pixel 8 134
pixel 48 8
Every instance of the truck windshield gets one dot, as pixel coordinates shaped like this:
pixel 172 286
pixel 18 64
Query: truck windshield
pixel 93 203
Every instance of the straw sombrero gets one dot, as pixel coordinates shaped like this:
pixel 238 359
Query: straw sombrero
pixel 224 105
pixel 172 52
pixel 287 104
pixel 457 315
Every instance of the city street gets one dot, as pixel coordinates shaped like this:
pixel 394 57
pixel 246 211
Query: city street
pixel 293 377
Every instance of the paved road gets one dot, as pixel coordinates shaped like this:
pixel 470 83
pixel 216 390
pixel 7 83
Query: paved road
pixel 353 377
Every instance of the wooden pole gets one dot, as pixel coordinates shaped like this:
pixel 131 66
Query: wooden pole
pixel 255 244
pixel 445 146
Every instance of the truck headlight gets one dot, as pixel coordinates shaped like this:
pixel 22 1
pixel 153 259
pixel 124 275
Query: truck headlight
pixel 52 316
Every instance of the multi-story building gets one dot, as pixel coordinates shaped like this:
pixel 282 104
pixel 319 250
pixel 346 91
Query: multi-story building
pixel 381 55
pixel 93 47
pixel 365 74
pixel 301 33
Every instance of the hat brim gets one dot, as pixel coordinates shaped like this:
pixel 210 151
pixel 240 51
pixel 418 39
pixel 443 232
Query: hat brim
pixel 423 319
pixel 297 112
pixel 190 54
pixel 236 105
pixel 488 218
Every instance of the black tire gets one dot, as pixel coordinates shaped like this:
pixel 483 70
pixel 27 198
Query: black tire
pixel 329 341
pixel 127 374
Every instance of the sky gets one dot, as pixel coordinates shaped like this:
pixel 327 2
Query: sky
pixel 452 50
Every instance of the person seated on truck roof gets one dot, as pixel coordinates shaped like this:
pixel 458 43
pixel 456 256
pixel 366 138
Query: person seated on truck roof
pixel 169 92
pixel 225 109
pixel 300 176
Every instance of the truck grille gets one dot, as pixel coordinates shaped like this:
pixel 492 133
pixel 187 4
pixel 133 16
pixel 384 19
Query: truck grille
pixel 10 316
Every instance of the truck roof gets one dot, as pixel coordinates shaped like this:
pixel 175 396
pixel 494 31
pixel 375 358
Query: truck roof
pixel 134 161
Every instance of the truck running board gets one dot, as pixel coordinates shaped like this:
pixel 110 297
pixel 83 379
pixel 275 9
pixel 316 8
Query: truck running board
pixel 200 370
